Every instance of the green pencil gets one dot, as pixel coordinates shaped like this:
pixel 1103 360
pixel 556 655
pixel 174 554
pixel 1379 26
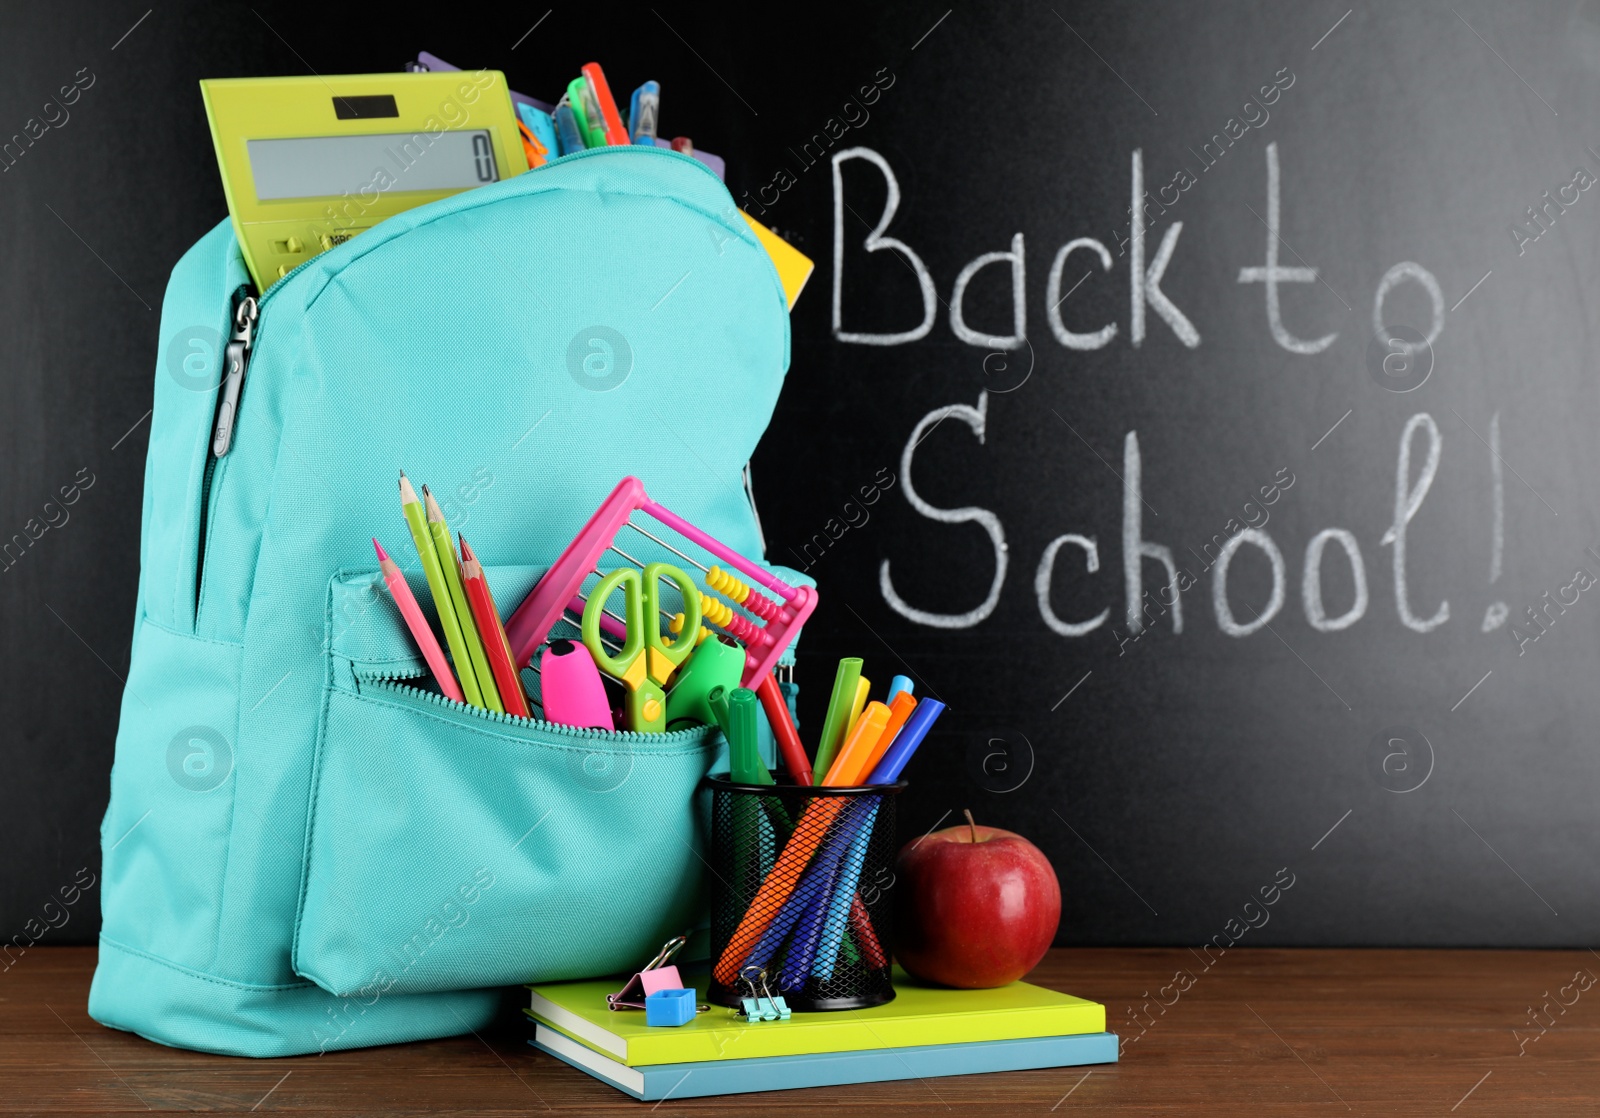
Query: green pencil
pixel 416 521
pixel 445 548
pixel 838 717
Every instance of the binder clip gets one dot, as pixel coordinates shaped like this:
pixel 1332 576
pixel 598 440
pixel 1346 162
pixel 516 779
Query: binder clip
pixel 657 974
pixel 761 1004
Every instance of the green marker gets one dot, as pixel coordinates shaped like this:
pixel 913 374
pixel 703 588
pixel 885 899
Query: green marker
pixel 445 549
pixel 440 589
pixel 838 717
pixel 716 662
pixel 744 752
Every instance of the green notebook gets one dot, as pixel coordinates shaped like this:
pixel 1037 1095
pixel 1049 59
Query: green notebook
pixel 919 1015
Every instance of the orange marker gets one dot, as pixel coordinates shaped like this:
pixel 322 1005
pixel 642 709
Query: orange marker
pixel 610 119
pixel 899 710
pixel 850 766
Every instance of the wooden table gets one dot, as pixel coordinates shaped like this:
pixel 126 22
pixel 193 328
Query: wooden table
pixel 1260 1032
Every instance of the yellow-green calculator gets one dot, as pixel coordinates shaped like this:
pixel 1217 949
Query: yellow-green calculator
pixel 307 163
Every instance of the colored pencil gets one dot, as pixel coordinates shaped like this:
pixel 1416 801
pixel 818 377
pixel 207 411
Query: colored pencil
pixel 445 548
pixel 443 605
pixel 400 590
pixel 497 648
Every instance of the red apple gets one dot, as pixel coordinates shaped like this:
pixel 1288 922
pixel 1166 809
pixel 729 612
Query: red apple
pixel 975 906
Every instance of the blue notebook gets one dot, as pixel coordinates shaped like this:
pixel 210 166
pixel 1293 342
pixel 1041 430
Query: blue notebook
pixel 653 1082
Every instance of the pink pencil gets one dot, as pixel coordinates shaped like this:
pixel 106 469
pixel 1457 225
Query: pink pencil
pixel 400 590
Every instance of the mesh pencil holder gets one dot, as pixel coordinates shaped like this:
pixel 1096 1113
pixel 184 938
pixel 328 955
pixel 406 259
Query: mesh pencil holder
pixel 800 889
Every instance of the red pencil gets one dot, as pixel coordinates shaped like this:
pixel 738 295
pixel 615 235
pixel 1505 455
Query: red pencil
pixel 495 645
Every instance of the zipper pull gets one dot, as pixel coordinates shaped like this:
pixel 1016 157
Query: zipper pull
pixel 236 359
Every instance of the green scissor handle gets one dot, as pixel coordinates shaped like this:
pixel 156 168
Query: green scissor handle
pixel 645 661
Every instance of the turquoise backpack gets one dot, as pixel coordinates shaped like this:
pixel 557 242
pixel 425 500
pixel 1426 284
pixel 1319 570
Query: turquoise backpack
pixel 304 850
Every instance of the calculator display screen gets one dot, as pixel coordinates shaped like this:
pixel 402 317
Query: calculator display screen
pixel 334 166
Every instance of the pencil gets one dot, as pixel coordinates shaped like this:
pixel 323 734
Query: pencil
pixel 400 590
pixel 445 548
pixel 498 650
pixel 440 589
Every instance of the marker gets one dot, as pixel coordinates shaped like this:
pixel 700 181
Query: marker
pixel 900 710
pixel 782 722
pixel 836 721
pixel 716 661
pixel 643 109
pixel 906 742
pixel 858 704
pixel 851 764
pixel 744 754
pixel 610 120
pixel 571 689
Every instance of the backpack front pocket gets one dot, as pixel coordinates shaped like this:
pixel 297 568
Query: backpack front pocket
pixel 449 847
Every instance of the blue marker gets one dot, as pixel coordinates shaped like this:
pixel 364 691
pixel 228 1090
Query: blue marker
pixel 567 128
pixel 906 741
pixel 644 110
pixel 896 685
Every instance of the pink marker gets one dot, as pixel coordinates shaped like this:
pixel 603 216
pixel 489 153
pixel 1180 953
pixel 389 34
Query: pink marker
pixel 400 591
pixel 571 689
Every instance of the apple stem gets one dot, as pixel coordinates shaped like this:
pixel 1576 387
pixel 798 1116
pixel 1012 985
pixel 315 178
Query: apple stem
pixel 967 811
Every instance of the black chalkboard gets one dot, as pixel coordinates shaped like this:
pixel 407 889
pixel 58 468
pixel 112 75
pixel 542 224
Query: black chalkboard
pixel 1328 296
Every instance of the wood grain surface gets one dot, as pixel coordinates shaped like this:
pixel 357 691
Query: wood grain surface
pixel 1265 1031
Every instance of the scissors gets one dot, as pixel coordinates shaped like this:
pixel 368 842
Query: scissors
pixel 645 661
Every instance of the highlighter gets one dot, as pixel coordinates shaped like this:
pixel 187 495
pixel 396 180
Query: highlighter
pixel 571 688
pixel 716 662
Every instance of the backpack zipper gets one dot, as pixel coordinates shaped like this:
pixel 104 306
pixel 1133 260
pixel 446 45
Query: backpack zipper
pixel 236 359
pixel 390 682
pixel 234 363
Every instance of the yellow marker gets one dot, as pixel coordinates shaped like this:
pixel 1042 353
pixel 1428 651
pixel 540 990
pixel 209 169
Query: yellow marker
pixel 863 689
